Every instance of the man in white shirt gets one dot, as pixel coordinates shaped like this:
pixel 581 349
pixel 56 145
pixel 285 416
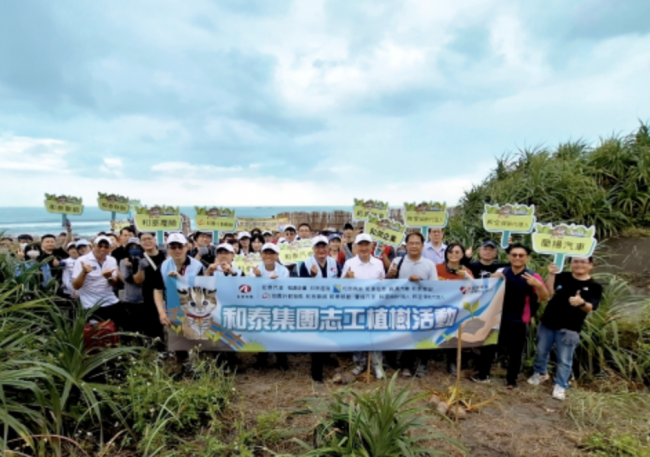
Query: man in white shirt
pixel 414 267
pixel 365 266
pixel 434 249
pixel 94 276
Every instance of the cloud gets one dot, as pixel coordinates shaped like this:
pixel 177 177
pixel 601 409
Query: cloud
pixel 307 102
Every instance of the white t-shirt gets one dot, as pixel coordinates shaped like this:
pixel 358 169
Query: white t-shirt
pixel 69 264
pixel 373 269
pixel 96 287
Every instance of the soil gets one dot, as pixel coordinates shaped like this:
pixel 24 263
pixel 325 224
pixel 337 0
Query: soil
pixel 525 421
pixel 629 257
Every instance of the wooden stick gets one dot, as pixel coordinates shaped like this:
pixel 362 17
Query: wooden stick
pixel 368 372
pixel 458 365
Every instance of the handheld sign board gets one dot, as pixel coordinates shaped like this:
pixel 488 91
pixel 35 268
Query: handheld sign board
pixel 113 203
pixel 274 224
pixel 247 262
pixel 508 219
pixel 564 240
pixel 384 231
pixel 362 208
pixel 215 220
pixel 64 205
pixel 159 219
pixel 296 252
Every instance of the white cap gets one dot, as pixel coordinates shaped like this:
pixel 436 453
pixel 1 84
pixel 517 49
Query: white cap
pixel 319 239
pixel 289 226
pixel 134 240
pixel 267 232
pixel 82 242
pixel 176 238
pixel 71 245
pixel 362 237
pixel 282 240
pixel 241 235
pixel 227 246
pixel 272 247
pixel 102 238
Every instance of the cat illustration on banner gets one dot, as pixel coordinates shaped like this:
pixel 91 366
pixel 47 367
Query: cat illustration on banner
pixel 199 304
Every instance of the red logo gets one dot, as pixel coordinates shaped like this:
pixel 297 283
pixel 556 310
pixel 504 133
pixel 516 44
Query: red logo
pixel 245 289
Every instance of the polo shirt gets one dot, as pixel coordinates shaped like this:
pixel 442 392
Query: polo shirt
pixel 96 289
pixel 190 267
pixel 437 256
pixel 280 271
pixel 520 301
pixel 423 268
pixel 373 269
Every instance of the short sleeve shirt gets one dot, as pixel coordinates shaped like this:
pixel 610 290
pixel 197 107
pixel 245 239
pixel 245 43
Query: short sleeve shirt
pixel 559 314
pixel 423 268
pixel 373 269
pixel 96 288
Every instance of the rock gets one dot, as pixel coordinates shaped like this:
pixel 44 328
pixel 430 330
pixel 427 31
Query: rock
pixel 442 407
pixel 457 411
pixel 434 400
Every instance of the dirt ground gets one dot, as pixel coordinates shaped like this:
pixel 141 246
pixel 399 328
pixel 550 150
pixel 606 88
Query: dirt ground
pixel 526 421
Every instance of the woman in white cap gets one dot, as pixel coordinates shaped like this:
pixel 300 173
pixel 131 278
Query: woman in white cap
pixel 270 267
pixel 244 239
pixel 222 265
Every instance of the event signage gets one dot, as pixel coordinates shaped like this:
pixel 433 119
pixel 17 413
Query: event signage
pixel 330 315
pixel 246 262
pixel 274 224
pixel 385 231
pixel 158 219
pixel 508 219
pixel 113 203
pixel 564 240
pixel 64 204
pixel 362 208
pixel 426 214
pixel 296 252
pixel 117 226
pixel 215 219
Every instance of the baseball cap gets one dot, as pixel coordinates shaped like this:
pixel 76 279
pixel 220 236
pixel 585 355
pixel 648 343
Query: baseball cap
pixel 227 246
pixel 244 234
pixel 490 243
pixel 176 238
pixel 289 227
pixel 335 236
pixel 362 237
pixel 71 245
pixel 318 240
pixel 101 238
pixel 82 243
pixel 25 236
pixel 133 240
pixel 270 247
pixel 267 232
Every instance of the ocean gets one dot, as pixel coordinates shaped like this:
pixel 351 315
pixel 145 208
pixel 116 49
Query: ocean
pixel 37 221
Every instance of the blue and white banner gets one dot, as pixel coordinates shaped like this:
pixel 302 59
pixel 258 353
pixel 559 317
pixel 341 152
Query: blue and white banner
pixel 250 314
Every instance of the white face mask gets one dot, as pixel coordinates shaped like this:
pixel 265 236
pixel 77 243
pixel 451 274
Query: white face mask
pixel 33 254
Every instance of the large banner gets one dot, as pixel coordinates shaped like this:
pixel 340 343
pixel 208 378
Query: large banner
pixel 330 315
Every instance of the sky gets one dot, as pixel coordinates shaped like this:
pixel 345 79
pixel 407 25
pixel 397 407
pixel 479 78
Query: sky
pixel 277 102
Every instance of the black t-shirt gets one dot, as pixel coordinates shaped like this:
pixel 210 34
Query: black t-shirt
pixel 484 271
pixel 151 277
pixel 120 253
pixel 58 254
pixel 559 313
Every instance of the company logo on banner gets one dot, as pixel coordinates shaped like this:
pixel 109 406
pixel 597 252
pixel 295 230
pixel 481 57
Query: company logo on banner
pixel 325 315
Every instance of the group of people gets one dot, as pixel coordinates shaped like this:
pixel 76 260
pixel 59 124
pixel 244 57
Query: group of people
pixel 125 274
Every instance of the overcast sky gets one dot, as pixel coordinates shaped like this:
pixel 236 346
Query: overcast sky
pixel 310 102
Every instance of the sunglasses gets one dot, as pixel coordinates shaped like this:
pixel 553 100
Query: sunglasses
pixel 175 246
pixel 518 256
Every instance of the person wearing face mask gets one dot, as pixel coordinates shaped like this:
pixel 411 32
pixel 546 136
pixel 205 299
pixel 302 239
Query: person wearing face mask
pixel 128 267
pixel 31 255
pixel 23 240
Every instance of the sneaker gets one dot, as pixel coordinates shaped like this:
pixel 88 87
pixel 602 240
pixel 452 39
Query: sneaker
pixel 379 372
pixel 537 379
pixel 421 371
pixel 406 373
pixel 559 393
pixel 358 370
pixel 476 378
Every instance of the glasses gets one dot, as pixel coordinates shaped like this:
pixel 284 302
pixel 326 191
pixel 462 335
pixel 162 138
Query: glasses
pixel 518 256
pixel 175 246
pixel 456 252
